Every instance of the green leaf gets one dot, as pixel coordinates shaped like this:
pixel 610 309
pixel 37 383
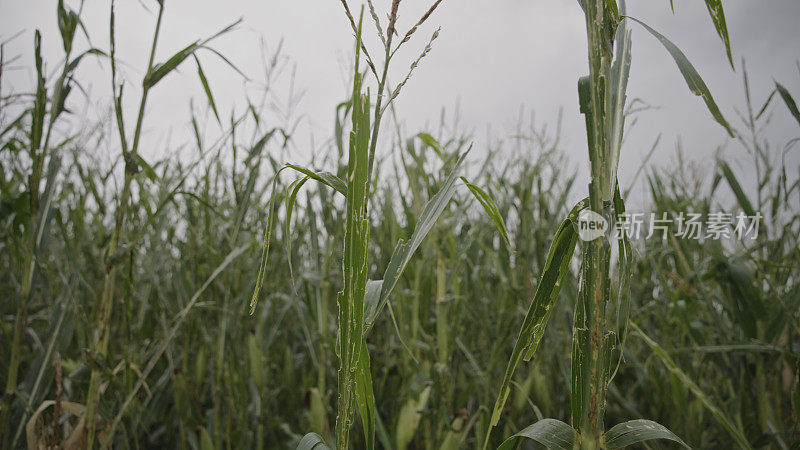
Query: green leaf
pixel 718 17
pixel 403 251
pixel 312 441
pixel 790 103
pixel 365 397
pixel 553 434
pixel 291 199
pixel 432 143
pixel 624 280
pixel 325 178
pixel 615 107
pixel 206 88
pixel 74 63
pixel 490 207
pixel 161 70
pixel 555 269
pixel 40 100
pixel 636 431
pixel 262 268
pixel 67 23
pixel 723 418
pixel 148 169
pixel 741 197
pixel 690 74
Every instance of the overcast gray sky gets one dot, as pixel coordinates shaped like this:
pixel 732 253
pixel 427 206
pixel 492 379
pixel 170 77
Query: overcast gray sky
pixel 491 58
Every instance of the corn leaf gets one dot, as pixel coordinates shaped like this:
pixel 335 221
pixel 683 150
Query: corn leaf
pixel 365 397
pixel 620 72
pixel 490 207
pixel 733 182
pixel 718 17
pixel 553 434
pixel 690 74
pixel 161 70
pixel 432 143
pixel 555 269
pixel 325 178
pixel 636 431
pixel 291 199
pixel 790 103
pixel 312 441
pixel 206 88
pixel 403 251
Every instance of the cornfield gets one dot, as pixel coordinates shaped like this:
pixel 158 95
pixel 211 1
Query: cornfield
pixel 399 291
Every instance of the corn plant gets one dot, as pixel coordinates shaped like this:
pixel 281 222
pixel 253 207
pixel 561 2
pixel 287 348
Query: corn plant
pixel 361 300
pixel 598 336
pixel 44 113
pixel 712 352
pixel 117 250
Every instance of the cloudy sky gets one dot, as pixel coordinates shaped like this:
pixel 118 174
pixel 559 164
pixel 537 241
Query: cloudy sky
pixel 491 59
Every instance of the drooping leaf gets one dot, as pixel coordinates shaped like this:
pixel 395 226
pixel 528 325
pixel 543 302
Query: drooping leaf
pixel 325 178
pixel 636 431
pixel 431 142
pixel 690 74
pixel 790 103
pixel 555 270
pixel 262 268
pixel 312 441
pixel 733 182
pixel 490 207
pixel 206 88
pixel 74 63
pixel 718 17
pixel 553 434
pixel 291 199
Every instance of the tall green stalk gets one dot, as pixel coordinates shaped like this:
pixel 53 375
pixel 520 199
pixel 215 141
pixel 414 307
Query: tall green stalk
pixel 37 211
pixel 103 314
pixel 596 340
pixel 592 340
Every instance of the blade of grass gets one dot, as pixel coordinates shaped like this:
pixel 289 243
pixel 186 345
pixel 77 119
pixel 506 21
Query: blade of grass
pixel 690 74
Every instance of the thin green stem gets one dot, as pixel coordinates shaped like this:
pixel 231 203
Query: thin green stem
pixel 102 328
